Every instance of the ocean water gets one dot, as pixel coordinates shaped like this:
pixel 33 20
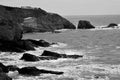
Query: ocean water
pixel 100 50
pixel 96 20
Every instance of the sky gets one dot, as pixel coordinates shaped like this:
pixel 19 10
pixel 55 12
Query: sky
pixel 70 7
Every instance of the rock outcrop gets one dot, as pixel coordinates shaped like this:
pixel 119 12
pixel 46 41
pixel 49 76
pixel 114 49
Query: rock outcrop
pixel 58 55
pixel 22 45
pixel 9 30
pixel 29 71
pixel 85 25
pixel 33 71
pixel 112 25
pixel 47 55
pixel 34 19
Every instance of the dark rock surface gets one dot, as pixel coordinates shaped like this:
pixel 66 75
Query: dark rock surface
pixel 33 20
pixel 9 30
pixel 33 58
pixel 33 71
pixel 12 67
pixel 29 57
pixel 3 71
pixel 52 54
pixel 3 68
pixel 85 25
pixel 22 45
pixel 3 76
pixel 41 43
pixel 57 55
pixel 29 71
pixel 16 46
pixel 112 25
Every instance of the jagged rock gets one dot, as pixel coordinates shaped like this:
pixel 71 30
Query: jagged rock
pixel 112 25
pixel 34 19
pixel 85 25
pixel 29 57
pixel 33 71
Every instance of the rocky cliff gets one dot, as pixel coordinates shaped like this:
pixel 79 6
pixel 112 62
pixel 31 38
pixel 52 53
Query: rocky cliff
pixel 35 19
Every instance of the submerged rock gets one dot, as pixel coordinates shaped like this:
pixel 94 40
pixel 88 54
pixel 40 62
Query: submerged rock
pixel 33 71
pixel 85 25
pixel 29 57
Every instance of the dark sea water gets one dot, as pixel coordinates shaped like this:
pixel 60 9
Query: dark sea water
pixel 97 20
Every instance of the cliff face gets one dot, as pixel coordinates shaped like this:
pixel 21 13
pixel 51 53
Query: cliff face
pixel 35 19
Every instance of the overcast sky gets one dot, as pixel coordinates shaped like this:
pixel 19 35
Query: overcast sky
pixel 71 7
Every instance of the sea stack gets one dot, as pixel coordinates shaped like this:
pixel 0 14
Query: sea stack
pixel 83 24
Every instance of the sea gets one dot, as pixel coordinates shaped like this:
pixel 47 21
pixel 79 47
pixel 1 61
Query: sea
pixel 100 50
pixel 96 20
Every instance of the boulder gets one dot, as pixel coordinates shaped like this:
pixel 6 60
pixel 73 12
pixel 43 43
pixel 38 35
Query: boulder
pixel 29 57
pixel 112 25
pixel 9 30
pixel 52 54
pixel 33 71
pixel 85 25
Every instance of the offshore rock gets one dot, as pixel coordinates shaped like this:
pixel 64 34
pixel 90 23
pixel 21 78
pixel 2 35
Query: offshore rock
pixel 112 25
pixel 85 25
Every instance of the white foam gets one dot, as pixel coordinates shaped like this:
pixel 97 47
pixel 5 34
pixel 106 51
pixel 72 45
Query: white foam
pixel 59 44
